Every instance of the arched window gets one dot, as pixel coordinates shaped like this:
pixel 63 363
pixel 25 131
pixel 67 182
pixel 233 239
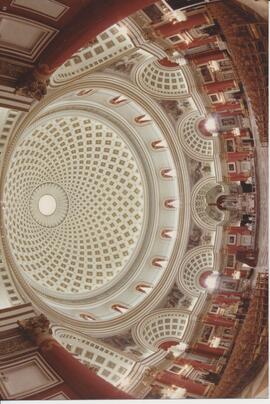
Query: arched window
pixel 159 262
pixel 119 99
pixel 87 316
pixel 120 308
pixel 159 144
pixel 143 288
pixel 142 119
pixel 171 203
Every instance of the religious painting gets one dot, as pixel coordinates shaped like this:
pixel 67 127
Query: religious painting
pixel 230 121
pixel 230 261
pixel 175 369
pixel 228 284
pixel 206 333
pixel 231 239
pixel 175 38
pixel 214 309
pixel 230 145
pixel 206 74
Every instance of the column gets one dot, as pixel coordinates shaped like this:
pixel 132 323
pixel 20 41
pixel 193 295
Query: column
pixel 195 43
pixel 217 320
pixel 178 380
pixel 219 299
pixel 202 58
pixel 238 176
pixel 76 375
pixel 196 364
pixel 239 230
pixel 207 350
pixel 238 156
pixel 218 86
pixel 229 107
pixel 232 293
pixel 230 272
pixel 170 28
pixel 231 113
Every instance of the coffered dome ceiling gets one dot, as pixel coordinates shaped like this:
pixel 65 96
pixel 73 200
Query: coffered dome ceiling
pixel 98 195
pixel 87 170
pixel 92 204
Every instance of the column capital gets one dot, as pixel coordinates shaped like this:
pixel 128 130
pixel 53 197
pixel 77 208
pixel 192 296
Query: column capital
pixel 36 328
pixel 34 83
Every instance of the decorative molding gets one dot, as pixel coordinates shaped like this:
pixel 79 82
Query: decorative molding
pixel 40 377
pixel 46 8
pixel 11 70
pixel 23 38
pixel 60 395
pixel 14 345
